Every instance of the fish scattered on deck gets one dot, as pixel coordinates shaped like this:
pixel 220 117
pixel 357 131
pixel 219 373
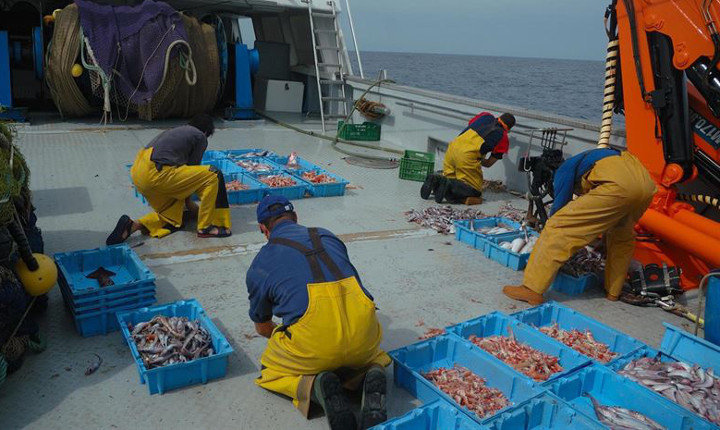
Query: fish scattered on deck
pixel 494 186
pixel 95 365
pixel 169 340
pixel 432 332
pixel 618 418
pixel 441 218
pixel 585 261
pixel 582 342
pixel 521 357
pixel 692 387
pixel 103 276
pixel 468 390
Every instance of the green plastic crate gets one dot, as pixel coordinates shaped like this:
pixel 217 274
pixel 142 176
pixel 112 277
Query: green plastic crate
pixel 367 131
pixel 416 165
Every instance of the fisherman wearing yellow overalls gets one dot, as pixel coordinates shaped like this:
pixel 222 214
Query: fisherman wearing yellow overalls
pixel 167 173
pixel 615 189
pixel 329 328
pixel 481 144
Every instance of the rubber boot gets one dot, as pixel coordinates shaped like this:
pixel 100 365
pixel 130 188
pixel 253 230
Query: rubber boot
pixel 329 393
pixel 471 201
pixel 612 298
pixel 373 406
pixel 524 294
pixel 431 182
pixel 443 186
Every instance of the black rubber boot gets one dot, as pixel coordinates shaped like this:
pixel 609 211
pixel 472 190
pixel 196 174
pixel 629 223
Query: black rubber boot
pixel 428 186
pixel 442 188
pixel 329 393
pixel 373 406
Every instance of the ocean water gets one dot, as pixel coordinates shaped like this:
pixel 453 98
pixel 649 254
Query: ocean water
pixel 568 87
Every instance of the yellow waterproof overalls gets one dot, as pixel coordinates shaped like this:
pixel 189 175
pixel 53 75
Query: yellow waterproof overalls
pixel 613 196
pixel 167 189
pixel 338 330
pixel 462 159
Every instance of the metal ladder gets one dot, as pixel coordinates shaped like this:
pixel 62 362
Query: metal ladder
pixel 336 71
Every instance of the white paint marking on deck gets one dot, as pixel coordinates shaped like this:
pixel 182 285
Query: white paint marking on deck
pixel 155 260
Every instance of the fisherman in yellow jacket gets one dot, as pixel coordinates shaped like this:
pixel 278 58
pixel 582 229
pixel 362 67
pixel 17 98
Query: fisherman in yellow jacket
pixel 329 329
pixel 167 172
pixel 615 189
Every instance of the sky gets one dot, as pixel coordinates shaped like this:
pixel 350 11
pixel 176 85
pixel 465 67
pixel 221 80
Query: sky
pixel 567 29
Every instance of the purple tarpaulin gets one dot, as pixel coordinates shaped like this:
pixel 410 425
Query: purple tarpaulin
pixel 136 31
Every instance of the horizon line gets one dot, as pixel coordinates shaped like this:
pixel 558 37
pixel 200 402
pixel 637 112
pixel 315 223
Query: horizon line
pixel 476 55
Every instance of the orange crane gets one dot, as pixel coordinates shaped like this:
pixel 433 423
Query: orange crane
pixel 662 74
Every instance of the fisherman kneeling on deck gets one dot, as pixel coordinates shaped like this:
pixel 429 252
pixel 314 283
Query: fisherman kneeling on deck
pixel 481 144
pixel 329 328
pixel 615 189
pixel 167 172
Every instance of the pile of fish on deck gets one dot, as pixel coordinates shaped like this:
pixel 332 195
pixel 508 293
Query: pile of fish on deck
pixel 468 389
pixel 163 341
pixel 441 218
pixel 690 386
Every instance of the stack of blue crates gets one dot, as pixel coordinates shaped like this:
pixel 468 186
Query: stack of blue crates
pixel 93 307
pixel 562 401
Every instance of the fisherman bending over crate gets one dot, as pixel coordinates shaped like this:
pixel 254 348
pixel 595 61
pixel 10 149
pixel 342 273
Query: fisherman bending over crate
pixel 615 190
pixel 329 328
pixel 167 172
pixel 481 144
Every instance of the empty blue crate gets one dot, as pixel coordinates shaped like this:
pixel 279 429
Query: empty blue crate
pixel 240 197
pixel 105 321
pixel 574 285
pixel 569 319
pixel 436 415
pixel 540 413
pixel 683 346
pixel 466 231
pixel 296 191
pixel 200 370
pixel 506 257
pixel 611 389
pixel 447 351
pixel 499 324
pixel 325 189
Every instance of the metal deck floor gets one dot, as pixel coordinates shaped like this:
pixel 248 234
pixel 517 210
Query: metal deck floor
pixel 81 187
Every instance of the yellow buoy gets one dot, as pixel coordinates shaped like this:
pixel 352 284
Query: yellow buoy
pixel 40 281
pixel 76 70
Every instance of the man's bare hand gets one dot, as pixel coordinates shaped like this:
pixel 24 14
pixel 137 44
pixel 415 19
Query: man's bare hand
pixel 265 329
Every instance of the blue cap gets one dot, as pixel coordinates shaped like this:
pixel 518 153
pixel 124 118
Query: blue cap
pixel 263 209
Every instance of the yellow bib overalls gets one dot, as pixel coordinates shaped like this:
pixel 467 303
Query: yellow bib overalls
pixel 338 330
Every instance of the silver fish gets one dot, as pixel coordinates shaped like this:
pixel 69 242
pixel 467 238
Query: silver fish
pixel 95 365
pixel 618 418
pixel 163 341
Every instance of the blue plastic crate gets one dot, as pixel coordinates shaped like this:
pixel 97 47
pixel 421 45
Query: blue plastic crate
pixel 447 351
pixel 91 300
pixel 436 415
pixel 499 324
pixel 272 167
pixel 569 319
pixel 302 164
pixel 138 195
pixel 690 349
pixel 129 270
pixel 211 155
pixel 506 257
pixel 224 165
pixel 574 285
pixel 466 230
pixel 105 303
pixel 291 193
pixel 104 322
pixel 330 189
pixel 234 154
pixel 543 412
pixel 611 389
pixel 201 370
pixel 252 195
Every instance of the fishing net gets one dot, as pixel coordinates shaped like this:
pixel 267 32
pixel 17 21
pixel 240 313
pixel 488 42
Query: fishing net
pixel 14 177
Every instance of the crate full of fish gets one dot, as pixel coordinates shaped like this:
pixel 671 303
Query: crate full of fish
pixel 292 163
pixel 683 346
pixel 445 367
pixel 694 387
pixel 542 412
pixel 322 183
pixel 619 402
pixel 243 189
pixel 512 249
pixel 590 337
pixel 257 165
pixel 237 154
pixel 175 345
pixel 283 184
pixel 475 232
pixel 519 347
pixel 436 415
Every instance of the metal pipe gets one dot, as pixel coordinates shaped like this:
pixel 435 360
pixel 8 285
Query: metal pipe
pixel 352 31
pixel 698 222
pixel 676 233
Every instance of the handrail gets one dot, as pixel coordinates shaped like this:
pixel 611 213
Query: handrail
pixel 355 44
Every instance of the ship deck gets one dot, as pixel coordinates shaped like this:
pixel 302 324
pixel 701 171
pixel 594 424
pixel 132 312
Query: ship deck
pixel 81 187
